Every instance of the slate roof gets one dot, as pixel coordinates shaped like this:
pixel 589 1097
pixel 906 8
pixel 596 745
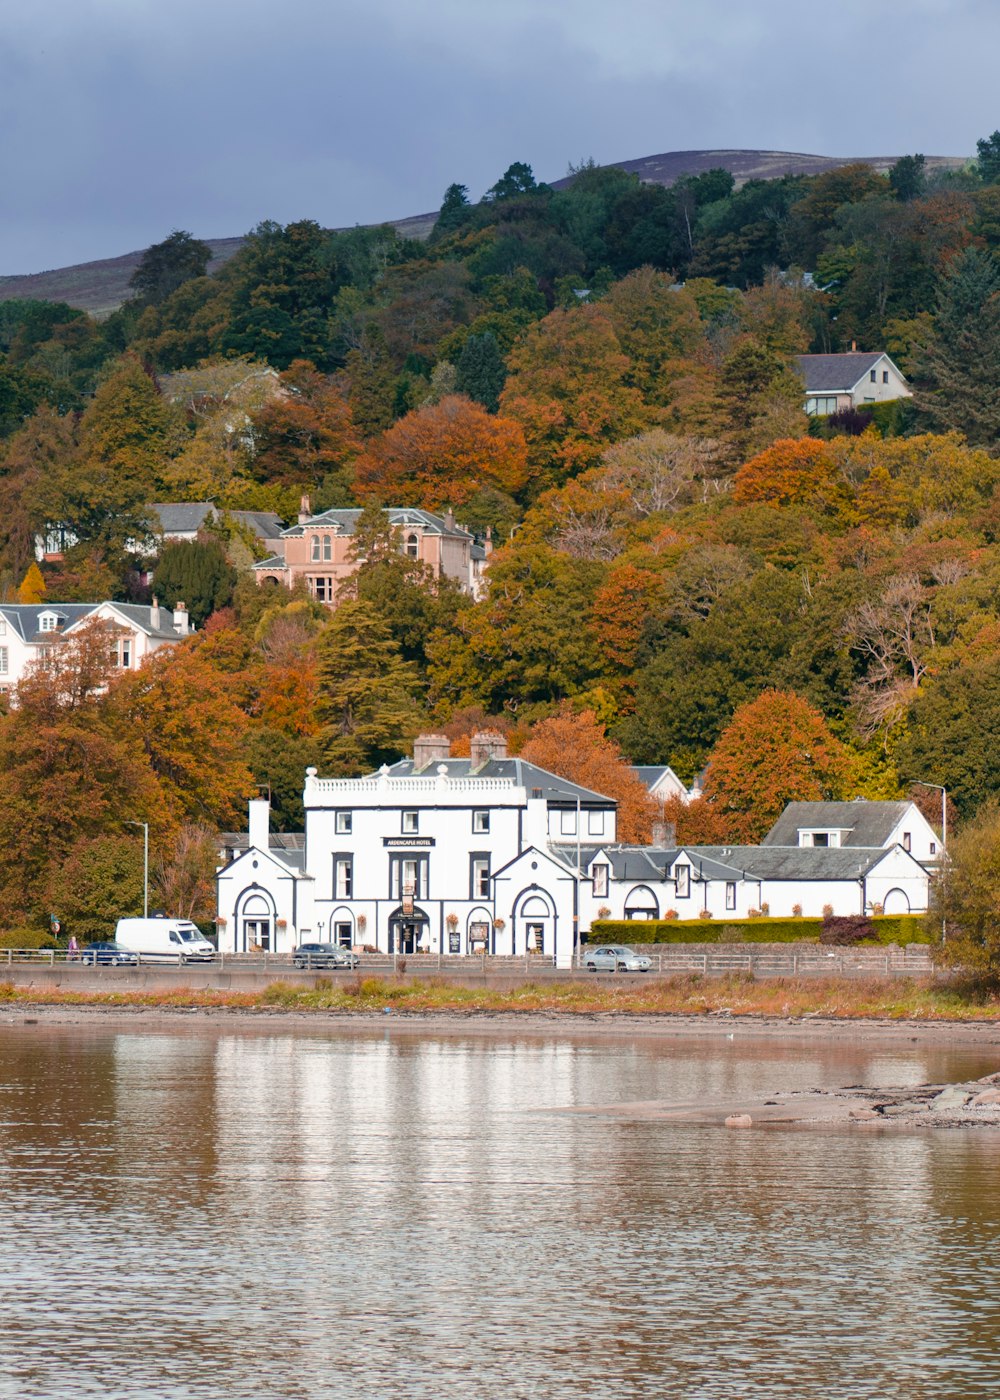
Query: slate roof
pixel 288 846
pixel 829 374
pixel 554 789
pixel 652 773
pixel 653 863
pixel 23 618
pixel 864 823
pixel 182 517
pixel 344 521
pixel 787 862
pixel 187 518
pixel 264 523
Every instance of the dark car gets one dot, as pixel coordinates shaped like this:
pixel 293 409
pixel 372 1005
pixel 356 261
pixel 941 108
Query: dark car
pixel 323 955
pixel 109 953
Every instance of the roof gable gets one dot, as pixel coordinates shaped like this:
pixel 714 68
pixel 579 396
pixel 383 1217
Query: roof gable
pixel 831 374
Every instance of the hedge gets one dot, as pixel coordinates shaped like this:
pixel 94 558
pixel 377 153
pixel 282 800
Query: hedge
pixel 890 928
pixel 27 938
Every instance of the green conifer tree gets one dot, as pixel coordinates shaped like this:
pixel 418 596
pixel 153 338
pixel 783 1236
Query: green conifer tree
pixel 963 354
pixel 482 371
pixel 368 704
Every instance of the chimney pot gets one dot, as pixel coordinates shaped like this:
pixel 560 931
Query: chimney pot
pixel 430 748
pixel 487 744
pixel 181 621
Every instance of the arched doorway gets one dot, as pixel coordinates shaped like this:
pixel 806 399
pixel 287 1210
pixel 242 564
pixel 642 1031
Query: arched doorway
pixel 896 902
pixel 409 933
pixel 641 903
pixel 342 927
pixel 255 923
pixel 534 928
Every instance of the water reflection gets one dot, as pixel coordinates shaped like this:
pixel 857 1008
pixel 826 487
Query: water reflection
pixel 248 1214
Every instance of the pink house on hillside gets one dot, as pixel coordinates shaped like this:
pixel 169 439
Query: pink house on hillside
pixel 318 550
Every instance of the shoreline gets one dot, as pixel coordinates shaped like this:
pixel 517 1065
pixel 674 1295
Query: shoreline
pixel 528 1023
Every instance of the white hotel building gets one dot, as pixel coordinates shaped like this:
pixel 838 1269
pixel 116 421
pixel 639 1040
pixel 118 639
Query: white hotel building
pixel 492 854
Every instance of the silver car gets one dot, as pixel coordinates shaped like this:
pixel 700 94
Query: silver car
pixel 615 957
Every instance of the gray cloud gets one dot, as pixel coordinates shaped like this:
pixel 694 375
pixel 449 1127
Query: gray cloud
pixel 124 118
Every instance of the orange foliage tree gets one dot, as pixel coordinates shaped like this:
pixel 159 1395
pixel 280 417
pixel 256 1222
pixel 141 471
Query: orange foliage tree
pixel 791 472
pixel 621 606
pixel 574 744
pixel 775 750
pixel 441 454
pixel 569 389
pixel 306 433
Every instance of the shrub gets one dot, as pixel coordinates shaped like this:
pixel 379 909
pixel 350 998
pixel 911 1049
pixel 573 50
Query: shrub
pixel 846 930
pixel 705 914
pixel 797 911
pixel 27 938
pixel 878 909
pixel 753 913
pixel 827 911
pixel 765 910
pixel 671 914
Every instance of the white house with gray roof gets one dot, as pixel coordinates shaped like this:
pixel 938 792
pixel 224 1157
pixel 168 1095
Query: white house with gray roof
pixel 29 631
pixel 854 379
pixel 492 854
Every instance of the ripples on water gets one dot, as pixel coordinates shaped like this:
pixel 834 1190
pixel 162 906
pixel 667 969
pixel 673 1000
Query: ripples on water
pixel 215 1214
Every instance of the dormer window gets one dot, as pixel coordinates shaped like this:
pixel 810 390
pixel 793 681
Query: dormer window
pixel 48 622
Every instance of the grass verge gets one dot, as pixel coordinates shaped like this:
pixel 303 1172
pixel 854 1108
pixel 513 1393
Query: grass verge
pixel 686 995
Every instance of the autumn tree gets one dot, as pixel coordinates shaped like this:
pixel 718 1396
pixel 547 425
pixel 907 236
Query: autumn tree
pixel 368 703
pixel 183 710
pixel 574 745
pixel 776 749
pixel 43 446
pixel 183 874
pixel 568 388
pixel 442 453
pixel 964 901
pixel 791 472
pixel 72 770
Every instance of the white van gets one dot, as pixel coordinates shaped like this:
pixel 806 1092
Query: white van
pixel 164 940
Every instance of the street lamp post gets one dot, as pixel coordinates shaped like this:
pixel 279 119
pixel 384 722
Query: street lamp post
pixel 145 865
pixel 937 787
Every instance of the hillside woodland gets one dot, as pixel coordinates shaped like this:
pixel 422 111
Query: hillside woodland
pixel 686 569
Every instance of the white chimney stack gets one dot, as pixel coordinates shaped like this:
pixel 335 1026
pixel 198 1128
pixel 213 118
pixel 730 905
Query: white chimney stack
pixel 181 623
pixel 154 615
pixel 259 823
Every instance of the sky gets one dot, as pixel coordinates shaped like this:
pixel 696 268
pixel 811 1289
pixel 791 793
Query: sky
pixel 125 119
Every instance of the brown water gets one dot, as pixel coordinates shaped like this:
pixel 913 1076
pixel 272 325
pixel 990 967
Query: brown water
pixel 204 1213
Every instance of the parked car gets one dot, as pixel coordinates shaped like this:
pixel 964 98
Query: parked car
pixel 323 955
pixel 615 957
pixel 113 954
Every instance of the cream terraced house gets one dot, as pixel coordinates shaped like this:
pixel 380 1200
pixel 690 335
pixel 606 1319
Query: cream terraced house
pixel 489 854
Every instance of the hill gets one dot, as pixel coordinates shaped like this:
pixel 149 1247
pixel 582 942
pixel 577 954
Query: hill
pixel 100 287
